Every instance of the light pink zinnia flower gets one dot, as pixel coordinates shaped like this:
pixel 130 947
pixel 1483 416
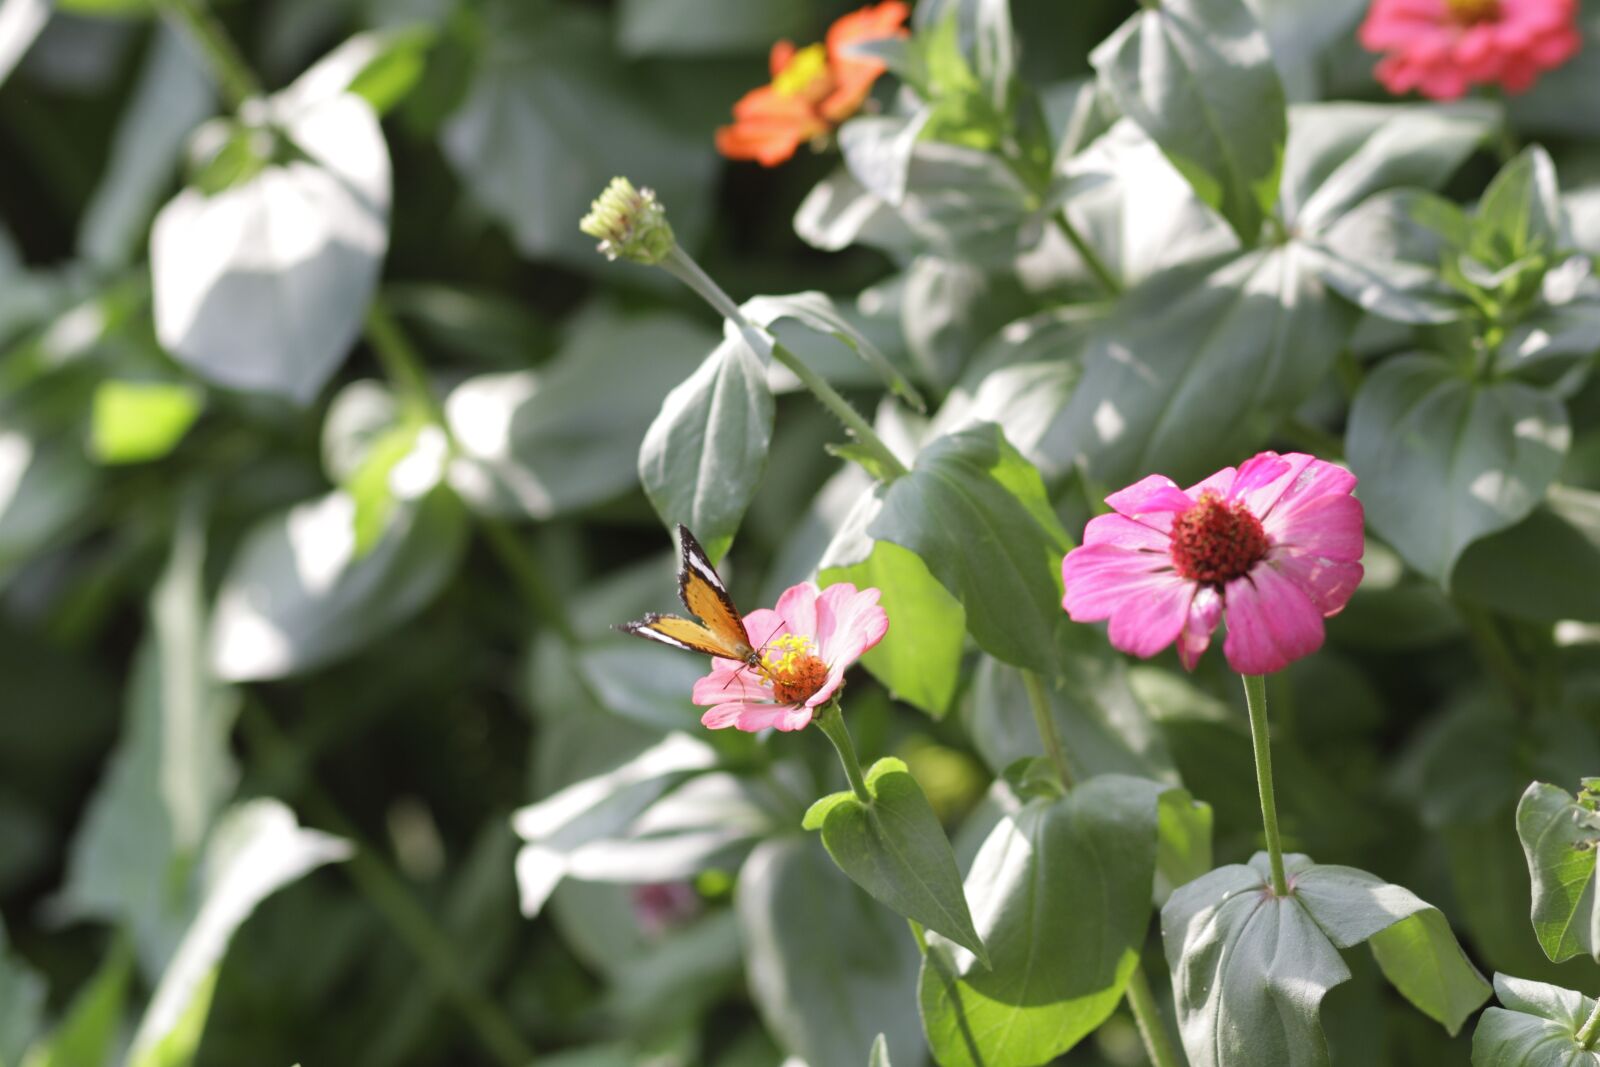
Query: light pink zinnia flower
pixel 1274 546
pixel 806 644
pixel 1441 47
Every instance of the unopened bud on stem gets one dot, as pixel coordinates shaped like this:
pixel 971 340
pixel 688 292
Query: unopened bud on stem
pixel 630 224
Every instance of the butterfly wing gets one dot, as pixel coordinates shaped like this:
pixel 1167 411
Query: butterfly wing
pixel 702 592
pixel 678 632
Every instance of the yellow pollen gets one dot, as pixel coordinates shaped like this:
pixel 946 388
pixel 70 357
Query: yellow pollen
pixel 1468 12
pixel 792 667
pixel 804 69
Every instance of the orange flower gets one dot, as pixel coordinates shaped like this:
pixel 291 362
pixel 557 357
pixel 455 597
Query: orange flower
pixel 813 89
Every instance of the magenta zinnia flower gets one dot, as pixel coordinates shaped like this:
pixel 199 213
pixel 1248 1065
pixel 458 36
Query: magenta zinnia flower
pixel 806 643
pixel 1274 546
pixel 1441 47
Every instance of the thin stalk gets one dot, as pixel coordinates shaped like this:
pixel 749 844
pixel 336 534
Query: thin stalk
pixel 1589 1032
pixel 401 361
pixel 1153 1031
pixel 1086 252
pixel 233 75
pixel 686 270
pixel 831 722
pixel 1255 695
pixel 1494 652
pixel 390 897
pixel 1039 701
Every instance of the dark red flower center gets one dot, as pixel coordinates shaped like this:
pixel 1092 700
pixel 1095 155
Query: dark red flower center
pixel 1472 12
pixel 1215 541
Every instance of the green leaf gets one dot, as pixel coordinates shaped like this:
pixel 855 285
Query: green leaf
pixel 828 968
pixel 380 66
pixel 85 1036
pixel 1385 255
pixel 880 1052
pixel 895 849
pixel 1183 842
pixel 296 595
pixel 257 849
pixel 1545 568
pixel 1444 461
pixel 1196 365
pixel 1198 76
pixel 977 514
pixel 1538 1027
pixel 1520 212
pixel 22 996
pixel 540 443
pixel 703 456
pixel 1250 969
pixel 133 422
pixel 816 311
pixel 919 659
pixel 46 484
pixel 1061 894
pixel 1558 838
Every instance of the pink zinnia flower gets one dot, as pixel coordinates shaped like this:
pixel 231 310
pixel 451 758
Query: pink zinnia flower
pixel 1440 47
pixel 806 643
pixel 1275 546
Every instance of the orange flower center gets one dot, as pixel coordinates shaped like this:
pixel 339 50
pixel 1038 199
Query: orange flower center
pixel 805 75
pixel 1471 12
pixel 792 666
pixel 1216 542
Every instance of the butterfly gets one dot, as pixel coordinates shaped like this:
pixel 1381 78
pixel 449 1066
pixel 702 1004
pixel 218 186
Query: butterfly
pixel 720 630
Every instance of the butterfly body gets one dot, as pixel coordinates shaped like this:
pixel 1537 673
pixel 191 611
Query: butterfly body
pixel 716 629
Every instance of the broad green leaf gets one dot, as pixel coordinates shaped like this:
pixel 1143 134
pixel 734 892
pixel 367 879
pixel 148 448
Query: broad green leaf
pixel 919 659
pixel 817 312
pixel 703 456
pixel 707 27
pixel 1183 843
pixel 142 833
pixel 263 286
pixel 1196 365
pixel 977 514
pixel 20 23
pixel 1250 969
pixel 45 485
pixel 1061 895
pixel 1198 76
pixel 1385 255
pixel 1558 836
pixel 1537 1027
pixel 87 1033
pixel 520 149
pixel 138 421
pixel 296 595
pixel 839 211
pixel 256 849
pixel 173 95
pixel 543 442
pixel 1444 461
pixel 1520 212
pixel 895 849
pixel 877 150
pixel 1545 568
pixel 22 995
pixel 828 967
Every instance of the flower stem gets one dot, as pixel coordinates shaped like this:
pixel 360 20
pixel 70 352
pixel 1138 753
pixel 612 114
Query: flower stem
pixel 685 269
pixel 390 898
pixel 1039 701
pixel 401 361
pixel 1255 695
pixel 831 722
pixel 1589 1032
pixel 1152 1029
pixel 233 75
pixel 1086 252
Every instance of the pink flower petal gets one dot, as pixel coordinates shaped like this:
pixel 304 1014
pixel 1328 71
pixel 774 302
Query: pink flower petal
pixel 1152 495
pixel 1119 530
pixel 1271 622
pixel 729 681
pixel 797 608
pixel 1205 611
pixel 1098 578
pixel 1328 582
pixel 849 621
pixel 763 624
pixel 1151 615
pixel 1330 526
pixel 1220 483
pixel 1255 478
pixel 751 717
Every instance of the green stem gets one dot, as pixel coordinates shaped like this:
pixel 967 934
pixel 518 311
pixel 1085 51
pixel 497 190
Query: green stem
pixel 1255 695
pixel 233 75
pixel 686 270
pixel 1142 1002
pixel 401 361
pixel 1589 1033
pixel 1086 252
pixel 1493 651
pixel 390 897
pixel 831 722
pixel 1039 701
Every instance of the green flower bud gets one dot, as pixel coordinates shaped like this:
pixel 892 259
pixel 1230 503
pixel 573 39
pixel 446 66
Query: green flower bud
pixel 630 223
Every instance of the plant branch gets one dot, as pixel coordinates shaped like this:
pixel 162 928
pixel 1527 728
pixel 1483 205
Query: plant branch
pixel 1039 701
pixel 1147 1016
pixel 1086 252
pixel 831 722
pixel 1589 1033
pixel 233 75
pixel 1255 696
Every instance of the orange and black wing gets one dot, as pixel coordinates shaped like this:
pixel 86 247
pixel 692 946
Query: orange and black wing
pixel 720 631
pixel 678 632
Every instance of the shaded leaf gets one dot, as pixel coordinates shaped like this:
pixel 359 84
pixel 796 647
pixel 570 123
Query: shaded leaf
pixel 1558 837
pixel 133 422
pixel 1537 1027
